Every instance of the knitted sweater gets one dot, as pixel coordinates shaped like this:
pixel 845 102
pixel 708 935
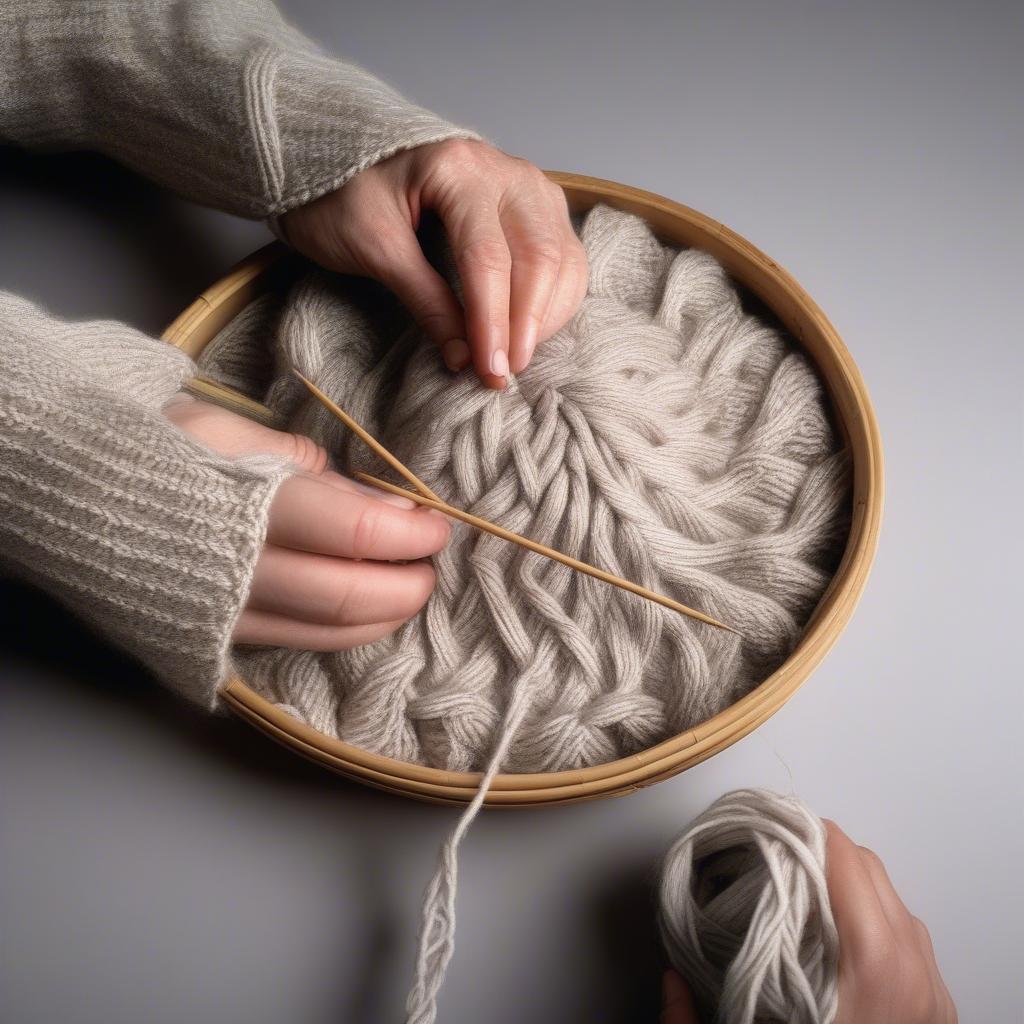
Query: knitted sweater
pixel 148 535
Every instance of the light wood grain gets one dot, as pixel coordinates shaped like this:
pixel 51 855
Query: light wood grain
pixel 679 225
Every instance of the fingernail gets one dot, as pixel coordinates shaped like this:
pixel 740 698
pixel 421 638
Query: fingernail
pixel 455 354
pixel 499 363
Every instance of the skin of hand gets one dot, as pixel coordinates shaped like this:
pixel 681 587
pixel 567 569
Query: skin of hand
pixel 523 269
pixel 338 565
pixel 887 968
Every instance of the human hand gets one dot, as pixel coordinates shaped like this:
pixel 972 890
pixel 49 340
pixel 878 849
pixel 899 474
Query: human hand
pixel 523 269
pixel 677 1006
pixel 887 968
pixel 324 580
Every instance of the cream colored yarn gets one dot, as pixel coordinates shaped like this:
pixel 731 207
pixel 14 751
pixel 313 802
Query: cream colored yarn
pixel 665 434
pixel 745 914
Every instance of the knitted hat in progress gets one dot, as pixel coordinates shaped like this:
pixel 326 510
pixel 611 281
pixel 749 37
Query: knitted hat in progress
pixel 666 433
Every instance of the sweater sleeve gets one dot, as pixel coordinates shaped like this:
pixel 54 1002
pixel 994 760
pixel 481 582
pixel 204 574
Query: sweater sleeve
pixel 148 535
pixel 219 100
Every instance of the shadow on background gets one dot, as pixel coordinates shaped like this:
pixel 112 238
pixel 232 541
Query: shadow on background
pixel 158 252
pixel 65 653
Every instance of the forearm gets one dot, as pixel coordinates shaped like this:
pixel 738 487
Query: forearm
pixel 146 534
pixel 222 102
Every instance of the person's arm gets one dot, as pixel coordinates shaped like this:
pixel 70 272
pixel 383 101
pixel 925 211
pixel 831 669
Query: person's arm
pixel 174 528
pixel 222 102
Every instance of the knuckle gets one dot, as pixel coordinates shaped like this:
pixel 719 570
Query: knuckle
pixel 543 252
pixel 306 453
pixel 870 856
pixel 367 531
pixel 921 1006
pixel 452 156
pixel 490 255
pixel 340 612
pixel 922 930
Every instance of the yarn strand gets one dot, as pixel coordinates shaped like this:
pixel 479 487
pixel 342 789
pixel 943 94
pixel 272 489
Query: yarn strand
pixel 437 931
pixel 745 913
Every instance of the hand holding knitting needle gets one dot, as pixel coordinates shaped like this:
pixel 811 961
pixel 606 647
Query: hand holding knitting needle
pixel 327 577
pixel 522 268
pixel 887 968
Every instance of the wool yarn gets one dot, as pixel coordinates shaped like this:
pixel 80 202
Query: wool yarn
pixel 666 433
pixel 745 915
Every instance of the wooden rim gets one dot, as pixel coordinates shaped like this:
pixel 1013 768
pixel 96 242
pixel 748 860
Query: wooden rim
pixel 800 315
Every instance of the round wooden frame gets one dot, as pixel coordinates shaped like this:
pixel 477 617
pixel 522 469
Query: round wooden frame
pixel 679 225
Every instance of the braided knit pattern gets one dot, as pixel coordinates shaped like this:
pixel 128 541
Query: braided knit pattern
pixel 745 914
pixel 664 434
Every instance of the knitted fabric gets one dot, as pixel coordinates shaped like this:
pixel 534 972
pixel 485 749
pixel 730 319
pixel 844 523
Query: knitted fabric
pixel 149 536
pixel 745 914
pixel 664 434
pixel 145 533
pixel 223 102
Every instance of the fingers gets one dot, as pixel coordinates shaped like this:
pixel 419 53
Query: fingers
pixel 677 1005
pixel 330 591
pixel 536 247
pixel 864 930
pixel 232 434
pixel 484 262
pixel 268 629
pixel 887 969
pixel 899 918
pixel 424 292
pixel 311 514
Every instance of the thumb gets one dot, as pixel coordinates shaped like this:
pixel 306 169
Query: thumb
pixel 425 293
pixel 677 1000
pixel 231 434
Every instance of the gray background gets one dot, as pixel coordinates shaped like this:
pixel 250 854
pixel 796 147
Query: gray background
pixel 161 866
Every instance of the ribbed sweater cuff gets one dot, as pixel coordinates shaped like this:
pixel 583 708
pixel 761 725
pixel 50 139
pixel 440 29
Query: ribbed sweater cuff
pixel 149 536
pixel 318 122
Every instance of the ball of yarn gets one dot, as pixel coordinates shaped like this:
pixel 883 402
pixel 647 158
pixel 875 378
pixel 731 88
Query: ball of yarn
pixel 745 915
pixel 665 434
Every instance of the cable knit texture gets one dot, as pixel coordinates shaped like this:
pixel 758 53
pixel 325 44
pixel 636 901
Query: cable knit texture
pixel 664 433
pixel 223 102
pixel 149 536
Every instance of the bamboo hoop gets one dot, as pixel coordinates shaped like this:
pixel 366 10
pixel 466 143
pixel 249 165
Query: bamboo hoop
pixel 675 224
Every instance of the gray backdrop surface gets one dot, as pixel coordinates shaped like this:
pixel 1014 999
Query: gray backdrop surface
pixel 159 866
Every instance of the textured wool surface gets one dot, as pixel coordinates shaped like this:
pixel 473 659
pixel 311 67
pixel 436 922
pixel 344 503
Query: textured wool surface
pixel 223 102
pixel 665 433
pixel 745 914
pixel 146 534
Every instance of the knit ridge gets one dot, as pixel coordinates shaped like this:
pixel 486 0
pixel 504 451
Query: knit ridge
pixel 148 536
pixel 665 434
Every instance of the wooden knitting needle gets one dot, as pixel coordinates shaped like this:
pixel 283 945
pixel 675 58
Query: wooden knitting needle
pixel 428 498
pixel 541 549
pixel 369 440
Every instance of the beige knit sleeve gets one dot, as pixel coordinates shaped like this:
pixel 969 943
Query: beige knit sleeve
pixel 219 100
pixel 149 536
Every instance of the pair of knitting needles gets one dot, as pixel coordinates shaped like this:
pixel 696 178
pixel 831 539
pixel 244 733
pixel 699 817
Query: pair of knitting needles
pixel 429 499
